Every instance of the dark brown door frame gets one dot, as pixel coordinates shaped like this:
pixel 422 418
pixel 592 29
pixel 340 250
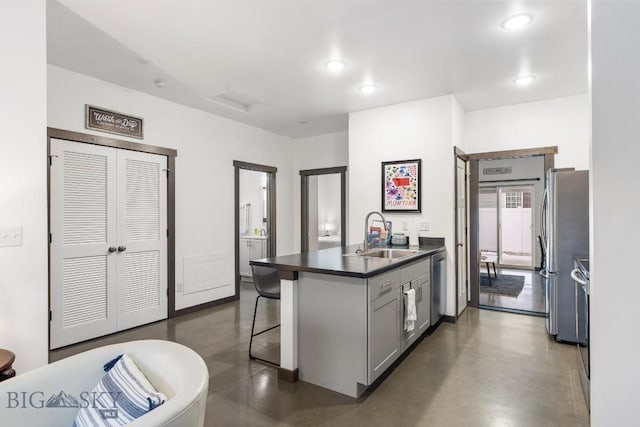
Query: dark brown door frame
pixel 474 205
pixel 171 155
pixel 459 154
pixel 271 212
pixel 304 203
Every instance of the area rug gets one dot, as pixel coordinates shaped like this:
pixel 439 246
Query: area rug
pixel 505 284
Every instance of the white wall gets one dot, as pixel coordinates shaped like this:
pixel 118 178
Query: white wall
pixel 207 145
pixel 316 152
pixel 420 129
pixel 458 118
pixel 615 150
pixel 23 189
pixel 323 151
pixel 561 121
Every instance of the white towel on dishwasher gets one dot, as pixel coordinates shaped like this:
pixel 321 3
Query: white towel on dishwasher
pixel 410 315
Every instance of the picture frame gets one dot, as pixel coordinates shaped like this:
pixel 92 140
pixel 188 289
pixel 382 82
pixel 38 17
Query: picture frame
pixel 401 186
pixel 114 122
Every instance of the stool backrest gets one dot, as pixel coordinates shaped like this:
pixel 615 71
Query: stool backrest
pixel 266 281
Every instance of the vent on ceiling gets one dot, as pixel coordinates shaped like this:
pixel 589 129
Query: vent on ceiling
pixel 236 101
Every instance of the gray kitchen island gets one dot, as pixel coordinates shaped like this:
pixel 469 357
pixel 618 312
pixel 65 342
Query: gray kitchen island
pixel 342 312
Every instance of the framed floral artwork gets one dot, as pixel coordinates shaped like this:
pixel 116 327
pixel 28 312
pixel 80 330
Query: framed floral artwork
pixel 401 186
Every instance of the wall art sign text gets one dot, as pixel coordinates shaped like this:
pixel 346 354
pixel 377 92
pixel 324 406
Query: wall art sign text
pixel 113 122
pixel 497 171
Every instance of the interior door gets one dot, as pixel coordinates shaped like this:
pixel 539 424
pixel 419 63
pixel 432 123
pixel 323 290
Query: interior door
pixel 461 233
pixel 142 238
pixel 83 240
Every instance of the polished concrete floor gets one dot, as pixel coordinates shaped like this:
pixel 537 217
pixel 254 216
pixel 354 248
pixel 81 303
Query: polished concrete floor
pixel 489 369
pixel 531 298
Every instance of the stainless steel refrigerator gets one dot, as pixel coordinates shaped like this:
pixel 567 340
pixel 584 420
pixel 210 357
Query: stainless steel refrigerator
pixel 565 231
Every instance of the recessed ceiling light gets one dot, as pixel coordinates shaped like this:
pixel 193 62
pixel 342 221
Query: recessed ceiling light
pixel 160 83
pixel 524 80
pixel 335 65
pixel 518 21
pixel 367 89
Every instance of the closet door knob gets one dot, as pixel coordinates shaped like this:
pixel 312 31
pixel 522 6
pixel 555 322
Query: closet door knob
pixel 112 249
pixel 122 248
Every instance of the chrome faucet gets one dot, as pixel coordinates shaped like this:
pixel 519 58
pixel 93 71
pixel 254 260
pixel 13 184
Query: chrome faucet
pixel 365 246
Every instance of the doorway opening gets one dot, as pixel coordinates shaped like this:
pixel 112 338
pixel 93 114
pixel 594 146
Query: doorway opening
pixel 255 218
pixel 506 195
pixel 507 224
pixel 323 208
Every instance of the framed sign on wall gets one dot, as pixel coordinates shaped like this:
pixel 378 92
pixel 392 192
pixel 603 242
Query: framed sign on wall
pixel 97 118
pixel 401 186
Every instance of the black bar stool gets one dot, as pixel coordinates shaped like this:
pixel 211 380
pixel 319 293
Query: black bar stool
pixel 267 283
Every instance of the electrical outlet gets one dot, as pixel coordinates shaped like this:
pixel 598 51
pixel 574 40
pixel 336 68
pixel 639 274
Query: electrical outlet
pixel 11 236
pixel 423 226
pixel 180 287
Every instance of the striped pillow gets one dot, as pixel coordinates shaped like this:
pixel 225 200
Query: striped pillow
pixel 123 395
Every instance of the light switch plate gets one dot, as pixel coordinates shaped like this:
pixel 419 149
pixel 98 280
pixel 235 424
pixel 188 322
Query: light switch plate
pixel 11 236
pixel 423 226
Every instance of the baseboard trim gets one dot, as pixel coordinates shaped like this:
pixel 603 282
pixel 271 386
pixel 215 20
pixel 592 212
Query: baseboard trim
pixel 193 309
pixel 288 375
pixel 512 310
pixel 433 327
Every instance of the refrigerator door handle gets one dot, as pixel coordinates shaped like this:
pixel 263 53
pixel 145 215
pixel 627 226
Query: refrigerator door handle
pixel 574 276
pixel 543 216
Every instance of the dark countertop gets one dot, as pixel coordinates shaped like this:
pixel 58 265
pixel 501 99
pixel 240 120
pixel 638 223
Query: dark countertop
pixel 334 262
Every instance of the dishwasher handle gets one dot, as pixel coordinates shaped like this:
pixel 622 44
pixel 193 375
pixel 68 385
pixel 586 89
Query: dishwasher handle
pixel 574 276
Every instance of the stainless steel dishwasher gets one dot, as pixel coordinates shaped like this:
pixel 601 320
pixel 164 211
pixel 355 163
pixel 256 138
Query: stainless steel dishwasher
pixel 438 285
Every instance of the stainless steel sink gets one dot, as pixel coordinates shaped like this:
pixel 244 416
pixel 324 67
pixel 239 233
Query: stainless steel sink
pixel 385 253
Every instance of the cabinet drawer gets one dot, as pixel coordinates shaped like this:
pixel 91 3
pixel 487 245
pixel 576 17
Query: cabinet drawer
pixel 413 270
pixel 383 283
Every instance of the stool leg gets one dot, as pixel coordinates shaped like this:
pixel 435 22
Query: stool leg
pixel 253 334
pixel 495 274
pixel 253 325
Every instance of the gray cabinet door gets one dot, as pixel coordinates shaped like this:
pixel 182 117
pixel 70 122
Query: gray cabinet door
pixel 384 332
pixel 245 268
pixel 408 337
pixel 422 285
pixel 255 248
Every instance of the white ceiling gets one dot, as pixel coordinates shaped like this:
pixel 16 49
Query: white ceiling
pixel 274 51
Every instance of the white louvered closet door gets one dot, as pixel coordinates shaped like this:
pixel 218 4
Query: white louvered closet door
pixel 83 228
pixel 142 238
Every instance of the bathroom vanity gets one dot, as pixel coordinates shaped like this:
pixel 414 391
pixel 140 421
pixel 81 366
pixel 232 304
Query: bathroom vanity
pixel 349 308
pixel 251 247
